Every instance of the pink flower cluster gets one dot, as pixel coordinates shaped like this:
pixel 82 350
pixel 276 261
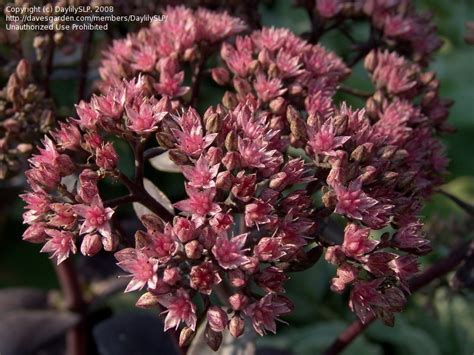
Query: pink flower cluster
pixel 382 163
pixel 235 176
pixel 253 211
pixel 400 26
pixel 160 51
pixel 279 68
pixel 64 202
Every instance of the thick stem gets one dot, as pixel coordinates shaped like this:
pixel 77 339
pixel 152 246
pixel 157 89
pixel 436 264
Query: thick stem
pixel 76 343
pixel 142 196
pixel 139 163
pixel 436 271
pixel 122 200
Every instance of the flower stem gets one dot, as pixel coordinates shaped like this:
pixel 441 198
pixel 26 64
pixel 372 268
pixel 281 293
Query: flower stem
pixel 76 342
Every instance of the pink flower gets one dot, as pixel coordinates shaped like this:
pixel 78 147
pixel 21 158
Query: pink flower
pixel 410 239
pixel 61 244
pixel 180 308
pixel 268 89
pixel 264 312
pixel 324 140
pixel 110 105
pixel 346 274
pixel 257 213
pixel 203 277
pixel 162 245
pixel 229 253
pixel 67 136
pixel 184 229
pixel 88 116
pixel 357 241
pixel 269 249
pixel 405 266
pixel 141 267
pixel 143 117
pixel 106 156
pixel 352 201
pixel 63 216
pixel 201 175
pixel 199 203
pixel 144 59
pixel 171 79
pixel 365 299
pixel 271 279
pixel 96 217
pixel 191 140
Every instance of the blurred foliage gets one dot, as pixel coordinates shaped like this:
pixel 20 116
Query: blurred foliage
pixel 436 321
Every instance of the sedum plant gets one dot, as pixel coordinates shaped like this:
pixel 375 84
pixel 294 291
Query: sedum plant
pixel 267 170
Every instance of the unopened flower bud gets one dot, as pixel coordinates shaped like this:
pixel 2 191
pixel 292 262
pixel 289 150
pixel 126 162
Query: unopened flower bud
pixel 110 243
pixel 238 301
pixel 277 106
pixel 427 77
pixel 254 66
pixel 224 181
pixel 186 336
pixel 231 141
pixel 295 89
pixel 229 100
pixel 91 244
pixel 24 148
pixel 190 54
pixel 242 86
pixel 387 152
pixel 264 57
pixel 236 326
pixel 237 278
pixel 329 200
pixel 389 177
pixel 193 249
pixel 35 233
pixel 252 265
pixel 171 275
pixel 371 108
pixel 213 123
pixel 148 300
pixel 165 140
pixel 213 339
pixel 214 155
pixel 400 155
pixel 217 318
pixel 220 75
pixel 23 70
pixel 370 61
pixel 359 154
pixel 297 126
pixel 178 157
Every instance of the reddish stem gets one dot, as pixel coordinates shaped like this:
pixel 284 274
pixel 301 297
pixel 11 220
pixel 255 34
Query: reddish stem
pixel 437 270
pixel 76 342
